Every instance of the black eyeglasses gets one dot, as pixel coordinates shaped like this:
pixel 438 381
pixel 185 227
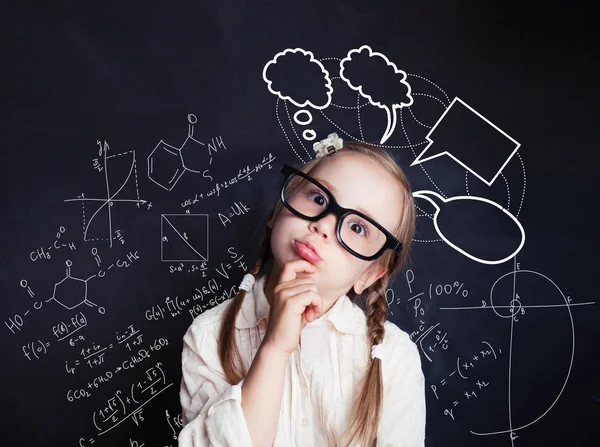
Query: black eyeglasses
pixel 299 193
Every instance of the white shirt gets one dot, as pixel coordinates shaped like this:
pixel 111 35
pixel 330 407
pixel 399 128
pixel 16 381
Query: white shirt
pixel 321 377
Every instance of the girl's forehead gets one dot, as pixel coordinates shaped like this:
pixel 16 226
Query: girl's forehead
pixel 360 184
pixel 353 173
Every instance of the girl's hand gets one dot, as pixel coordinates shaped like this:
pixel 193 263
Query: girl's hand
pixel 296 302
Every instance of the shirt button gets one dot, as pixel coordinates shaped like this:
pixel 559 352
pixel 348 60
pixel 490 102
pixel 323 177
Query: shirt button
pixel 304 422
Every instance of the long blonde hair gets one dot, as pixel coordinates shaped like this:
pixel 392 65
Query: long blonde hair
pixel 366 409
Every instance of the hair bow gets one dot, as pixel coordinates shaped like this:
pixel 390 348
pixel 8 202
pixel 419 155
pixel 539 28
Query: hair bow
pixel 328 146
pixel 377 351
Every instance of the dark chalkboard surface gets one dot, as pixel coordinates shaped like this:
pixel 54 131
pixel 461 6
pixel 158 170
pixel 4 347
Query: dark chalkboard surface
pixel 141 154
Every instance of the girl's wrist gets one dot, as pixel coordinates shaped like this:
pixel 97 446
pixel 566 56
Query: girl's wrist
pixel 272 351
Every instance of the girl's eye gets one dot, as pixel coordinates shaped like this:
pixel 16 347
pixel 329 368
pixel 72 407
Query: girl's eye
pixel 359 225
pixel 320 198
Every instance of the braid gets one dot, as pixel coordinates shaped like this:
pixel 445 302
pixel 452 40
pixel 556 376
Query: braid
pixel 234 371
pixel 368 402
pixel 376 311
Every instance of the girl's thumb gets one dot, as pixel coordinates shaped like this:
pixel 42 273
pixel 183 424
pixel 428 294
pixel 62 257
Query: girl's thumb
pixel 309 315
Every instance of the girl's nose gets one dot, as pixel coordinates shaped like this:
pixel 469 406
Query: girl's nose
pixel 326 225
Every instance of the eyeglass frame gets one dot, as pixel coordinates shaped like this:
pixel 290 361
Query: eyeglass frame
pixel 340 212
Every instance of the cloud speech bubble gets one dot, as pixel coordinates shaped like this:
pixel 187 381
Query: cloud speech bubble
pixel 365 70
pixel 294 60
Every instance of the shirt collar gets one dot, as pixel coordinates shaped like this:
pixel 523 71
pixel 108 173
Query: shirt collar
pixel 345 316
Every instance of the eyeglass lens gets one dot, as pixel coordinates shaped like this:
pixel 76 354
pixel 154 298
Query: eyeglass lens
pixel 310 200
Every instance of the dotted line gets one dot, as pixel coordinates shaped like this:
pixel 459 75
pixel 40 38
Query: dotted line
pixel 283 129
pixel 137 190
pixel 413 151
pixel 410 146
pixel 359 105
pixel 524 183
pixel 415 118
pixel 83 213
pixel 431 217
pixel 424 212
pixel 432 240
pixel 287 111
pixel 507 187
pixel 467 182
pixel 119 154
pixel 507 191
pixel 431 96
pixel 432 83
pixel 348 107
pixel 362 136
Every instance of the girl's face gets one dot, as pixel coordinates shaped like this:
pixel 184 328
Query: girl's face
pixel 356 182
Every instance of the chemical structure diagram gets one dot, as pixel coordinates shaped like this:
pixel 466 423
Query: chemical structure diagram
pixel 167 163
pixel 106 203
pixel 71 291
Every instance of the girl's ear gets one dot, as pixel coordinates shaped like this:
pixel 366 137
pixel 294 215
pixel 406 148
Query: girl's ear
pixel 368 278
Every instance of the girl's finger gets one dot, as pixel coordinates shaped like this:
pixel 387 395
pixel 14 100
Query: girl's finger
pixel 290 269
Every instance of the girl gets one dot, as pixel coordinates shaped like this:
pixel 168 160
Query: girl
pixel 292 360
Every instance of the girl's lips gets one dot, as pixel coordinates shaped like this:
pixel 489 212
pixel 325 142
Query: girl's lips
pixel 306 253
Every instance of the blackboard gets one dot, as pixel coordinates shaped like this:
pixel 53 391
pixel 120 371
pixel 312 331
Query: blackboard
pixel 141 154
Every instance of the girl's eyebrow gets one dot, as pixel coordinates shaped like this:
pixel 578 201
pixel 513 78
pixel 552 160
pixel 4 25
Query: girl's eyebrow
pixel 332 189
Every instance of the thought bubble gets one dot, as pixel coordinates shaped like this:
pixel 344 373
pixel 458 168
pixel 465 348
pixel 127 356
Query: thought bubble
pixel 293 72
pixel 375 78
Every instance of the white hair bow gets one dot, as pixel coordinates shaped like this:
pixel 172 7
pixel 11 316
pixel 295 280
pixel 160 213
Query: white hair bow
pixel 247 282
pixel 328 146
pixel 377 351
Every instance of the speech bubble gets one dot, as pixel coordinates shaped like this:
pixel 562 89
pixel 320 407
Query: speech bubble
pixel 447 210
pixel 471 140
pixel 380 69
pixel 293 59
